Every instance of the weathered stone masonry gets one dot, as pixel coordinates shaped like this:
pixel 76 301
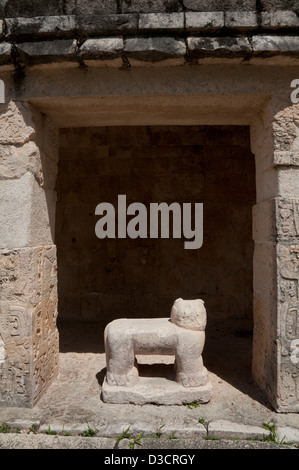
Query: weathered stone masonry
pixel 141 31
pixel 28 303
pixel 97 63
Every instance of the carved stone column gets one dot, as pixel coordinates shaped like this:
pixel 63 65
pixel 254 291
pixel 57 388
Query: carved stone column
pixel 28 302
pixel 275 142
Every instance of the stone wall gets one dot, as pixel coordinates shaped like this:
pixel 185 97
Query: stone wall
pixel 77 31
pixel 105 279
pixel 31 8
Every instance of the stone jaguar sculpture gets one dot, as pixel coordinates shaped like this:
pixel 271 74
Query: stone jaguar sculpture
pixel 183 335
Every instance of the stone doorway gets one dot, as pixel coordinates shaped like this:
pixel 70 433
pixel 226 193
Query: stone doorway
pixel 30 132
pixel 100 280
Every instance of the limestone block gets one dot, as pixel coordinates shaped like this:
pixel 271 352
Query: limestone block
pixel 276 219
pixel 32 8
pixel 198 46
pixel 147 6
pixel 288 270
pixel 279 19
pixel 107 24
pixel 182 336
pixel 246 20
pixel 287 434
pixel 40 26
pixel 188 430
pixel 5 54
pixel 25 213
pixel 26 273
pixel 16 161
pixel 288 325
pixel 278 5
pixel 287 182
pixel 154 49
pixel 196 21
pixel 275 142
pixel 287 218
pixel 275 44
pixel 286 130
pixel 28 331
pixel 23 423
pixel 45 366
pixel 101 48
pixel 286 158
pixel 228 430
pixel 95 7
pixel 15 378
pixel 161 21
pixel 16 126
pixel 220 5
pixel 45 52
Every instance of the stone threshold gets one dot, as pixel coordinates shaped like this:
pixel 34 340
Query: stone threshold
pixel 120 435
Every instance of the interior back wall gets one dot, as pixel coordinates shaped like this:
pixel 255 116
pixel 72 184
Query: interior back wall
pixel 99 280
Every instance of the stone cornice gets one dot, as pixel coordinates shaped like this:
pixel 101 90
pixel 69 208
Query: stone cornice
pixel 148 37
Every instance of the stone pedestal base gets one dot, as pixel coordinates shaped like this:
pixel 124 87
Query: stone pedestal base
pixel 158 391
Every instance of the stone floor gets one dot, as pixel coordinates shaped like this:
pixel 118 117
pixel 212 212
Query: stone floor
pixel 73 401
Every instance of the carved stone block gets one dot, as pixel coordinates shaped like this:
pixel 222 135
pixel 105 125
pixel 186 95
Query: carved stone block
pixel 287 218
pixel 288 326
pixel 276 218
pixel 28 331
